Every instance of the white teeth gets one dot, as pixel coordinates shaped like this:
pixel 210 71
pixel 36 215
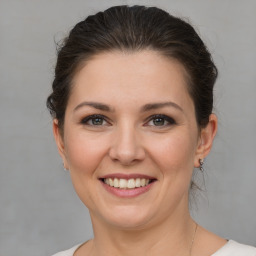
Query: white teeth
pixel 137 183
pixel 125 184
pixel 116 183
pixel 131 183
pixel 122 183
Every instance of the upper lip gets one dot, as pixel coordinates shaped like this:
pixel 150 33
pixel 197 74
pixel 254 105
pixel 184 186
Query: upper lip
pixel 127 176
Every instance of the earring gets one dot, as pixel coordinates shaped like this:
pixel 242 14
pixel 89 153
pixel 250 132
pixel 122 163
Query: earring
pixel 201 162
pixel 64 167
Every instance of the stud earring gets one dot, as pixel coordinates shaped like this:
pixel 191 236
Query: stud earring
pixel 64 167
pixel 201 162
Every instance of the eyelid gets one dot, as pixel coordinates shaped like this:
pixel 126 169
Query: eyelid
pixel 85 120
pixel 170 120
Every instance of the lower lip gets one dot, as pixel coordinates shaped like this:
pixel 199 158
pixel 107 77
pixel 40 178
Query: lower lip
pixel 127 193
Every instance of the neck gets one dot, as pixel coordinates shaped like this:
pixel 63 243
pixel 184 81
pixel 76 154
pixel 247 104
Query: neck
pixel 171 237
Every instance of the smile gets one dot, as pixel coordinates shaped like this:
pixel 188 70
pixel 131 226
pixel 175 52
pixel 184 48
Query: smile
pixel 127 183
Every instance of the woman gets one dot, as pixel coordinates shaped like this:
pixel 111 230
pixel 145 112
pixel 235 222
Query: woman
pixel 132 116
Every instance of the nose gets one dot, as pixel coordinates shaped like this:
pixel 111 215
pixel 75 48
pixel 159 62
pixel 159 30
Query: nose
pixel 126 147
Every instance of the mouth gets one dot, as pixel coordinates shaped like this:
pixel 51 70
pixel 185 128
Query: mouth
pixel 128 184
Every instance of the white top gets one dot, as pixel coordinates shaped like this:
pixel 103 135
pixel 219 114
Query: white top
pixel 231 248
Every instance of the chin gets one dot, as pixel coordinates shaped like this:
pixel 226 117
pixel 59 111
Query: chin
pixel 128 218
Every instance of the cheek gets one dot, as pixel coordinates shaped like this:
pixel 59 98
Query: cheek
pixel 175 154
pixel 84 153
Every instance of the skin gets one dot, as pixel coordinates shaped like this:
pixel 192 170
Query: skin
pixel 127 140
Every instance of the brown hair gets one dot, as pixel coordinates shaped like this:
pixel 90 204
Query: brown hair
pixel 135 28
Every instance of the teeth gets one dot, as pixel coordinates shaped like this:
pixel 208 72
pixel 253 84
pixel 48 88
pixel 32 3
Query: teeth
pixel 137 183
pixel 125 184
pixel 131 183
pixel 122 183
pixel 116 183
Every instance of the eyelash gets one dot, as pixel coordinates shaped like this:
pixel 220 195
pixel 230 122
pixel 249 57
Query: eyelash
pixel 169 120
pixel 85 120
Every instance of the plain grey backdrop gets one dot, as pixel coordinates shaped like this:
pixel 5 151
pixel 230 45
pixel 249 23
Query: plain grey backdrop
pixel 40 213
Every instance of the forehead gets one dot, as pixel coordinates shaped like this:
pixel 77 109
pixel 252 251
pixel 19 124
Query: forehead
pixel 142 76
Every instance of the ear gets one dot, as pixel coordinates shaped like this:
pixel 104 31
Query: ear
pixel 206 138
pixel 59 142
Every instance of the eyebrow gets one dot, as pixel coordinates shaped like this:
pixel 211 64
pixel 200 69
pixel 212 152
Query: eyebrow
pixel 145 108
pixel 95 105
pixel 152 106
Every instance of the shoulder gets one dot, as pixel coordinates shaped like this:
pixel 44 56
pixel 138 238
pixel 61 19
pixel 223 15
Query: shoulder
pixel 232 248
pixel 69 252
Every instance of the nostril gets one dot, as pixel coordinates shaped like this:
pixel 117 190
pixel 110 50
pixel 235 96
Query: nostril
pixel 127 156
pixel 126 147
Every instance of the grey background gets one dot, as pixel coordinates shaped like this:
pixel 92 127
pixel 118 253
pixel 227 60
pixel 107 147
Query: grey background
pixel 40 213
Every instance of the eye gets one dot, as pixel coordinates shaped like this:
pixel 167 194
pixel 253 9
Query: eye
pixel 95 120
pixel 160 120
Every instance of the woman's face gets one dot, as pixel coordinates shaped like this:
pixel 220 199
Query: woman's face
pixel 131 139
